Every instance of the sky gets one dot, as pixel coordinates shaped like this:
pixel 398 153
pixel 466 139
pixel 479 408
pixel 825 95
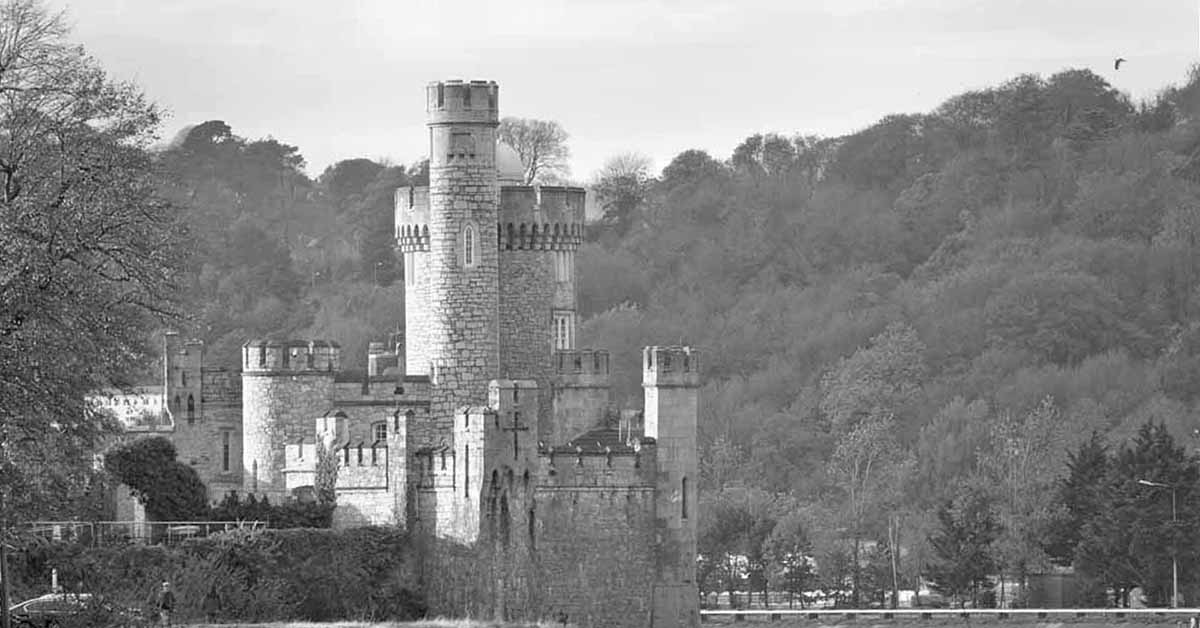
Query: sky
pixel 346 79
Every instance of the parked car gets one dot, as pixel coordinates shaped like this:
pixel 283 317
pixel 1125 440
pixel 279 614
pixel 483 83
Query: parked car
pixel 61 609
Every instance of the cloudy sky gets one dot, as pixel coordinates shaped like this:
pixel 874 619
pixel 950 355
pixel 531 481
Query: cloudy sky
pixel 345 79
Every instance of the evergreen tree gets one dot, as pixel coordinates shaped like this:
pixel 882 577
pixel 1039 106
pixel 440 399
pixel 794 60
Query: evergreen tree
pixel 962 546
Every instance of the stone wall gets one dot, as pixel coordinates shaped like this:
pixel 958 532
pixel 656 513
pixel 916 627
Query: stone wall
pixel 362 507
pixel 278 409
pixel 595 552
pixel 580 394
pixel 526 338
pixel 201 442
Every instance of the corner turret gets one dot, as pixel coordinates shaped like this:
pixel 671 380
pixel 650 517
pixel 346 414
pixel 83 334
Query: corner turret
pixel 671 382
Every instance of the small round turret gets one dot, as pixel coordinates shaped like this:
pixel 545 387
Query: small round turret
pixel 283 383
pixel 458 102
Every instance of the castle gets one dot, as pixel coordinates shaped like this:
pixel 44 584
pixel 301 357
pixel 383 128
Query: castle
pixel 485 432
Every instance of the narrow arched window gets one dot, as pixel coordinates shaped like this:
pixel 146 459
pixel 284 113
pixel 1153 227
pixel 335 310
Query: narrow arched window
pixel 469 246
pixel 183 378
pixel 683 505
pixel 191 409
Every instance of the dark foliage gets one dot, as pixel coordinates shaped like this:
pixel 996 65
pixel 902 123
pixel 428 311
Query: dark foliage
pixel 278 575
pixel 170 489
pixel 292 514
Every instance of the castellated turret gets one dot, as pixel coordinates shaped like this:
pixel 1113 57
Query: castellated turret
pixel 283 383
pixel 451 285
pixel 580 393
pixel 530 266
pixel 540 229
pixel 671 383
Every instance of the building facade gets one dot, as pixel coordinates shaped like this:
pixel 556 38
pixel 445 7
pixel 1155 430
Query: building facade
pixel 486 432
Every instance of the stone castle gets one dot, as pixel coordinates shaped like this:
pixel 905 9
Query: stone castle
pixel 486 432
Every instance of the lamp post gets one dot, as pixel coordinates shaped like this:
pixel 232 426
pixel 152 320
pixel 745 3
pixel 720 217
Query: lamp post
pixel 1174 559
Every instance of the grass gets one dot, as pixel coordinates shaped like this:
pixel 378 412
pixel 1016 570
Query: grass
pixel 425 623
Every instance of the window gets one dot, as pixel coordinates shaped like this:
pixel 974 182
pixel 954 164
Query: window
pixel 563 331
pixel 467 470
pixel 470 242
pixel 183 378
pixel 563 261
pixel 191 410
pixel 225 438
pixel 379 431
pixel 683 505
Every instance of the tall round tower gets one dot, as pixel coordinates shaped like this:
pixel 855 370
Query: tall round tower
pixel 449 242
pixel 540 228
pixel 285 385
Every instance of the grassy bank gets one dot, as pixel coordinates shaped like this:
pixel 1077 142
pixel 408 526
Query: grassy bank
pixel 430 623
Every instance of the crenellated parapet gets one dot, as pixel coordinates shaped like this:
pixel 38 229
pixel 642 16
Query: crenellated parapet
pixel 463 102
pixel 412 219
pixel 581 368
pixel 670 366
pixel 541 218
pixel 276 356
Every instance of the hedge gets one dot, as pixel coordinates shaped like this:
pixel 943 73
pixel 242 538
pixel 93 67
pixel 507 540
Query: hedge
pixel 360 574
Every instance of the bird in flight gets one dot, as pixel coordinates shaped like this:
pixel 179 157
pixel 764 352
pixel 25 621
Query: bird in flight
pixel 1117 64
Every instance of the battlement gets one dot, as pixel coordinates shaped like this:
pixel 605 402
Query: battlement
pixel 578 466
pixel 459 102
pixel 670 366
pixel 412 218
pixel 542 203
pixel 360 464
pixel 290 356
pixel 540 218
pixel 581 367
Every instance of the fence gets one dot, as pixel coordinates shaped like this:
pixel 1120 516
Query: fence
pixel 94 533
pixel 728 616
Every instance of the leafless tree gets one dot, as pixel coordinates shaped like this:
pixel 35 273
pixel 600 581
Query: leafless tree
pixel 541 145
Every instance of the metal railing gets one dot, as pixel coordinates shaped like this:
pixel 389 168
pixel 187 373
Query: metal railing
pixel 96 533
pixel 930 613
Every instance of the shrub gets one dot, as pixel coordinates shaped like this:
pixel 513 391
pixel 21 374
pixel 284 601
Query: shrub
pixel 273 575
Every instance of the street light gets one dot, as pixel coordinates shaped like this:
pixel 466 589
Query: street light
pixel 1174 559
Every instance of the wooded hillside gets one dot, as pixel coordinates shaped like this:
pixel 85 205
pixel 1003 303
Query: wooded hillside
pixel 952 298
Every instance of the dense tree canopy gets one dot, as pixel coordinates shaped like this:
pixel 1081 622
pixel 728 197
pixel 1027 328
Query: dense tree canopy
pixel 1000 277
pixel 90 254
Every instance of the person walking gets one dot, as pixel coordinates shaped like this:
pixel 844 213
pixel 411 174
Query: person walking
pixel 164 604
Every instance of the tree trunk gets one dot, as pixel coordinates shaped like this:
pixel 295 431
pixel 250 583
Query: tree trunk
pixel 854 574
pixel 893 545
pixel 5 600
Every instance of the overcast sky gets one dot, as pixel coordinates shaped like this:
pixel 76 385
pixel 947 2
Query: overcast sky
pixel 346 79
